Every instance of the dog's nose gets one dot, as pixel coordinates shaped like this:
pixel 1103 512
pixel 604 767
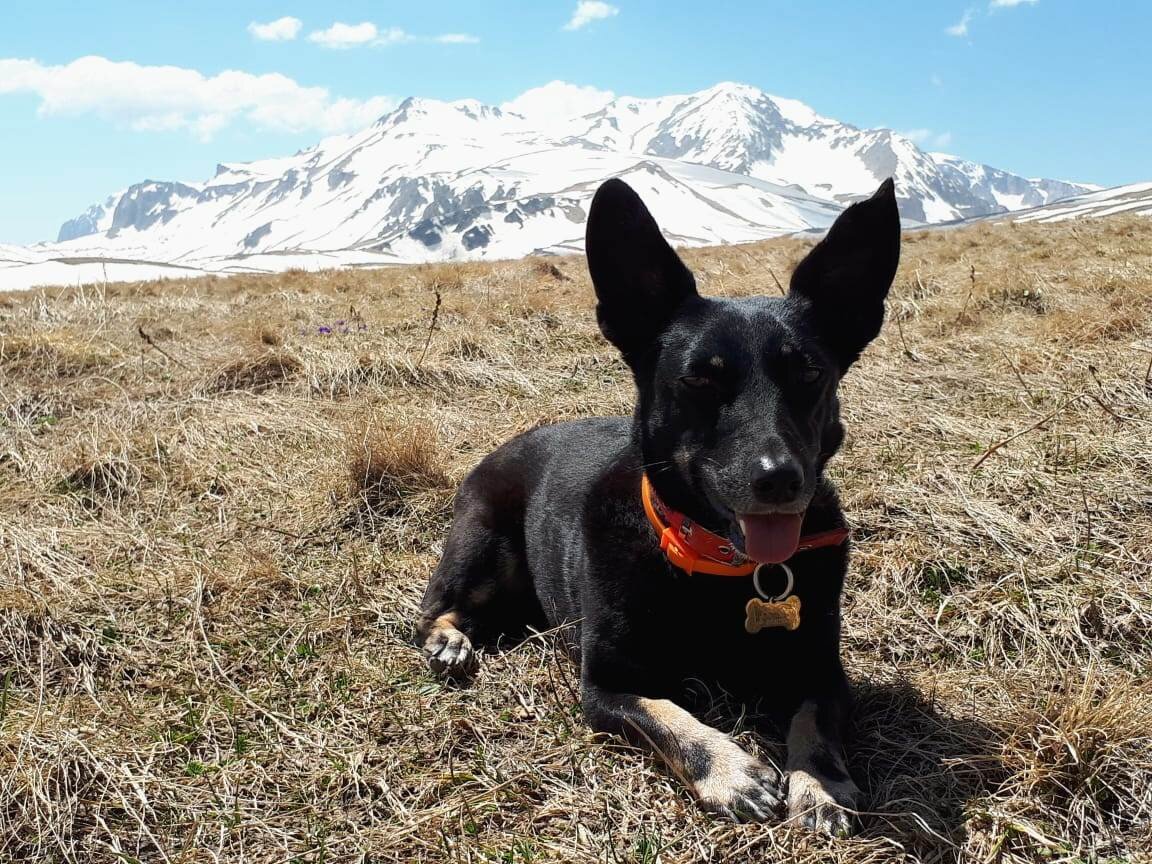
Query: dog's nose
pixel 777 481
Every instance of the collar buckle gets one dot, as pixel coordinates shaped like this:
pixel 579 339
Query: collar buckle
pixel 678 554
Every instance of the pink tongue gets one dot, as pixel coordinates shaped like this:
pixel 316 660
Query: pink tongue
pixel 771 538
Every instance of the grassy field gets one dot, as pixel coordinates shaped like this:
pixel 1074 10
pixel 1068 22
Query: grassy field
pixel 220 500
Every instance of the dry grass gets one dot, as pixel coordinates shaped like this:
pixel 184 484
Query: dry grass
pixel 219 501
pixel 393 471
pixel 256 372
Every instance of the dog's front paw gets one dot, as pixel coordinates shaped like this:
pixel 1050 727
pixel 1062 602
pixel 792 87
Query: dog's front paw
pixel 820 804
pixel 734 783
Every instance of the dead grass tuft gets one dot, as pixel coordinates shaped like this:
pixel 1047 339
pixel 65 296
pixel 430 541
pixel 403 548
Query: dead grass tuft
pixel 271 337
pixel 59 355
pixel 545 267
pixel 256 373
pixel 386 465
pixel 1086 750
pixel 102 480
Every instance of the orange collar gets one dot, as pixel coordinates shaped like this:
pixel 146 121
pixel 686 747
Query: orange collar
pixel 695 549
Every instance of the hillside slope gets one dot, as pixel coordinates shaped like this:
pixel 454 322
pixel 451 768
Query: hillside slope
pixel 220 501
pixel 1132 199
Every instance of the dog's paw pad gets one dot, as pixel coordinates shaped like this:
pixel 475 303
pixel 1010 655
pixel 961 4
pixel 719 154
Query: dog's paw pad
pixel 821 806
pixel 450 653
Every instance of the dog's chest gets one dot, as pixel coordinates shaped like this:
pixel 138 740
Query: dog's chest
pixel 702 624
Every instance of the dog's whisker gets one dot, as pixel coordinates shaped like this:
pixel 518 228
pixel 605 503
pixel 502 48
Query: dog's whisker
pixel 662 464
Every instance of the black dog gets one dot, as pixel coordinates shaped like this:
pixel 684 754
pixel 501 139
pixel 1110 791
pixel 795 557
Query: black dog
pixel 736 416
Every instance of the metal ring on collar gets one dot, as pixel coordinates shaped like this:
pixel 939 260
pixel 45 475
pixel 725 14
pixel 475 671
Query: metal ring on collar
pixel 787 587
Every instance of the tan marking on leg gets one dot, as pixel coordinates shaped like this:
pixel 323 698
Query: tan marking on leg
pixel 814 800
pixel 427 626
pixel 715 768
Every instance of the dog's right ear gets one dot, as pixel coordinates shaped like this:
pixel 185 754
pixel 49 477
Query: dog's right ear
pixel 639 280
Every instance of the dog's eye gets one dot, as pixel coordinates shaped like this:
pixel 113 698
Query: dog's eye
pixel 697 382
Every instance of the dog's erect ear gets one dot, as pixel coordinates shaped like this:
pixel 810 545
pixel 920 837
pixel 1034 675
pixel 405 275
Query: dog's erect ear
pixel 639 280
pixel 845 278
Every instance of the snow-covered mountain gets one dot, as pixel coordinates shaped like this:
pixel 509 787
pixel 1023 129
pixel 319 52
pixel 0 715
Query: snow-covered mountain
pixel 97 219
pixel 441 180
pixel 1134 199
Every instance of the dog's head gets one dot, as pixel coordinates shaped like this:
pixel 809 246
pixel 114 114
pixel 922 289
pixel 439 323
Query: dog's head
pixel 737 410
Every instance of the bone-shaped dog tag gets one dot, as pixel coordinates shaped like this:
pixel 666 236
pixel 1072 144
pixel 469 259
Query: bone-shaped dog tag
pixel 759 615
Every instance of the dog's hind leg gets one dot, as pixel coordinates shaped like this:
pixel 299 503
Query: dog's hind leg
pixel 481 589
pixel 450 652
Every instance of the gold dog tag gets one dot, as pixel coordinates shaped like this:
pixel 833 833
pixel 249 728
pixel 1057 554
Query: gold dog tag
pixel 759 614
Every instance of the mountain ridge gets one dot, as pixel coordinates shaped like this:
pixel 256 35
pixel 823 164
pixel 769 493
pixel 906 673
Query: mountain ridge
pixel 432 180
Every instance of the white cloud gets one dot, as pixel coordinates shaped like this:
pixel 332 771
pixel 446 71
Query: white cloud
pixel 928 138
pixel 341 35
pixel 558 99
pixel 394 36
pixel 588 11
pixel 172 98
pixel 281 30
pixel 960 28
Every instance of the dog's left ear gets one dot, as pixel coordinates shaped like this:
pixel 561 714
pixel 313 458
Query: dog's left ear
pixel 640 281
pixel 844 279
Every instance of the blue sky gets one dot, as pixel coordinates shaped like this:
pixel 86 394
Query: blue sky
pixel 1056 88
